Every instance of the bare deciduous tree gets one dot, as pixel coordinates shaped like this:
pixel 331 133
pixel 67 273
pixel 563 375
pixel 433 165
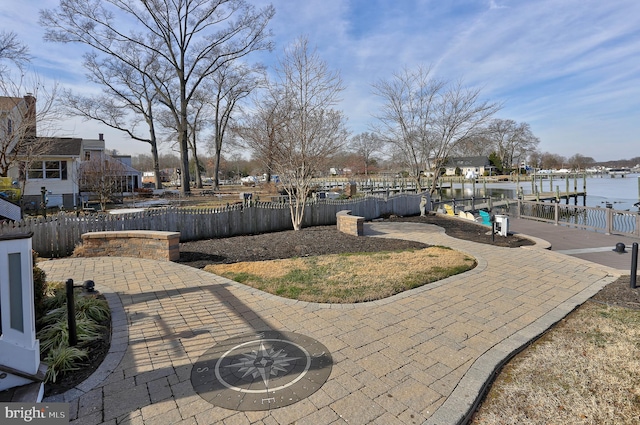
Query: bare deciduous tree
pixel 579 162
pixel 230 85
pixel 423 118
pixel 28 112
pixel 511 141
pixel 477 144
pixel 306 130
pixel 27 124
pixel 12 50
pixel 366 145
pixel 406 118
pixel 126 90
pixel 258 129
pixel 190 40
pixel 551 161
pixel 101 176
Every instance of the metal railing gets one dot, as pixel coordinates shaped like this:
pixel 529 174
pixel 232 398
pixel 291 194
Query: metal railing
pixel 475 203
pixel 604 220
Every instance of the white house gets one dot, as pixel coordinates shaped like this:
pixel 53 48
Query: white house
pixel 56 174
pixel 49 166
pixel 468 166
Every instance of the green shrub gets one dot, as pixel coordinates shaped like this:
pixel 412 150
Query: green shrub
pixel 63 359
pixel 39 287
pixel 57 334
pixel 89 307
pixel 53 336
pixel 53 328
pixel 56 296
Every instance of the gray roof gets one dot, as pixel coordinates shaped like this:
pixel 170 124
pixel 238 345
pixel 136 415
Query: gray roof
pixel 62 146
pixel 469 161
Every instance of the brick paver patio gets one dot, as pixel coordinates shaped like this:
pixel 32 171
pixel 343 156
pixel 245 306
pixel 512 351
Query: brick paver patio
pixel 422 356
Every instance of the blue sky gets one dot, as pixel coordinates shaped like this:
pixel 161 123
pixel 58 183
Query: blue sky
pixel 570 68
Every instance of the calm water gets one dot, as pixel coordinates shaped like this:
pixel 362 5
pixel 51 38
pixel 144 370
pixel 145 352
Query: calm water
pixel 621 192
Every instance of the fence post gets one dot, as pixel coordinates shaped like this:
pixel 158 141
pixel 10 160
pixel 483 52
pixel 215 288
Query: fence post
pixel 609 221
pixel 556 213
pixel 634 264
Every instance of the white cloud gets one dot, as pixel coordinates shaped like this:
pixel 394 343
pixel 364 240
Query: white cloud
pixel 571 68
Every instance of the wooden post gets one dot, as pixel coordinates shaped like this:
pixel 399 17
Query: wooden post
pixel 609 221
pixel 533 183
pixel 541 190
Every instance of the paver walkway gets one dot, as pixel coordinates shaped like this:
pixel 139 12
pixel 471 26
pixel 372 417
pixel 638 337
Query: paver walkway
pixel 422 356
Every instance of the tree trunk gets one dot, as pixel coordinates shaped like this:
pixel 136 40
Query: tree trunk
pixel 198 175
pixel 156 164
pixel 183 136
pixel 216 171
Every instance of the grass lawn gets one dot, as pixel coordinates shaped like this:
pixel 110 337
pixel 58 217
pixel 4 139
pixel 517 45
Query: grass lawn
pixel 586 370
pixel 348 278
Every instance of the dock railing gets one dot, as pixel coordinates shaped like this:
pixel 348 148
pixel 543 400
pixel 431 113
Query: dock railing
pixel 475 204
pixel 604 220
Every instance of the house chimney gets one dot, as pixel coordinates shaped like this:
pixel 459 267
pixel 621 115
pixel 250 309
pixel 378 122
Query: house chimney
pixel 101 137
pixel 30 116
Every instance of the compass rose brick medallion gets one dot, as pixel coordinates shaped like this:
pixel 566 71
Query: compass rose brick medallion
pixel 261 371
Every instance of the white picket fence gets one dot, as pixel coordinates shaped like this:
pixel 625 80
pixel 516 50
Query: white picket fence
pixel 58 235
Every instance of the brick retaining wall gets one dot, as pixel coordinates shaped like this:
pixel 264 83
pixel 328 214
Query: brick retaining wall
pixel 350 224
pixel 150 244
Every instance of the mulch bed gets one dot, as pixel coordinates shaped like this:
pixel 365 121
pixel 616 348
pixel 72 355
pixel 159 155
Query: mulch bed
pixel 322 240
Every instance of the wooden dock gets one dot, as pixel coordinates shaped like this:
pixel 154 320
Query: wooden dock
pixel 554 196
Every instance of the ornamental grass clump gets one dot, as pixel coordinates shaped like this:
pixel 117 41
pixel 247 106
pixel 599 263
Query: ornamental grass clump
pixel 53 329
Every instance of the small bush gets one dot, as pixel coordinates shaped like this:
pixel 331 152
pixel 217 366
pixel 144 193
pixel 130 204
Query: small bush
pixel 63 359
pixel 53 327
pixel 92 308
pixel 39 288
pixel 57 333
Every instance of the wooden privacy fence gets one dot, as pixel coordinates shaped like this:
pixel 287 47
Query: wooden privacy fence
pixel 58 235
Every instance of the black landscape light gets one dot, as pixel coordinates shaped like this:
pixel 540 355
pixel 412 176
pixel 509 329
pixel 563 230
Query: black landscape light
pixel 620 248
pixel 88 286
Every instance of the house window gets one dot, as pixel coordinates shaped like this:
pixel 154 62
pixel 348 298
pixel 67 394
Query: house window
pixel 9 126
pixel 52 170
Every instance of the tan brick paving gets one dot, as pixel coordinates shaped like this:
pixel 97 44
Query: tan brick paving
pixel 419 356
